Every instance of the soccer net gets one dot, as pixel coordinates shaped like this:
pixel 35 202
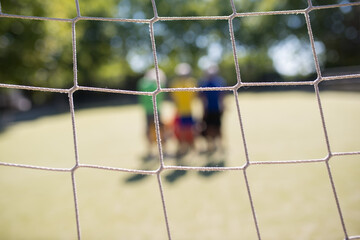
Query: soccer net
pixel 232 89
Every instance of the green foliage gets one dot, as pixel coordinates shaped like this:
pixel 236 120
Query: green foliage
pixel 113 54
pixel 43 8
pixel 35 52
pixel 193 8
pixel 339 28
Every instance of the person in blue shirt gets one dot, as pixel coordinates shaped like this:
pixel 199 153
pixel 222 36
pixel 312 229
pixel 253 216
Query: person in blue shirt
pixel 212 102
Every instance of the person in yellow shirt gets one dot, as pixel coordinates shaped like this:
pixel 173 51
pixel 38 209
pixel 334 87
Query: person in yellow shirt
pixel 184 122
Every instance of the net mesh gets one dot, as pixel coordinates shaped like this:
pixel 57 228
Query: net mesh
pixel 234 89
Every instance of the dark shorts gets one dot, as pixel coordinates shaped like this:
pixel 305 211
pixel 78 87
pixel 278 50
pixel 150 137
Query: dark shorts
pixel 149 123
pixel 211 125
pixel 212 119
pixel 150 127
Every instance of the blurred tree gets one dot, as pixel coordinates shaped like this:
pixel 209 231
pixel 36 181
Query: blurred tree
pixel 36 53
pixel 115 54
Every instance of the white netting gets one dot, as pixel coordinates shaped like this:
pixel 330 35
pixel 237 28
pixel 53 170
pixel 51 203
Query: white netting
pixel 234 89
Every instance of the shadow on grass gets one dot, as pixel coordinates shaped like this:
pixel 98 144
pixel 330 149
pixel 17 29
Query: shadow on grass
pixel 147 163
pixel 175 175
pixel 136 178
pixel 178 174
pixel 209 173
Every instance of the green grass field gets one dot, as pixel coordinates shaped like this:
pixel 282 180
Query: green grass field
pixel 292 201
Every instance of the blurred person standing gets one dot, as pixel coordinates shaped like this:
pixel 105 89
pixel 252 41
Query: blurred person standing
pixel 184 123
pixel 148 84
pixel 213 107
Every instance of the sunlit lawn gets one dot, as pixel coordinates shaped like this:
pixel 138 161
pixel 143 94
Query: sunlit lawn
pixel 292 201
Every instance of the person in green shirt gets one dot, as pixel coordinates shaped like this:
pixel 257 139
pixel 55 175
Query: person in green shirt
pixel 148 84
